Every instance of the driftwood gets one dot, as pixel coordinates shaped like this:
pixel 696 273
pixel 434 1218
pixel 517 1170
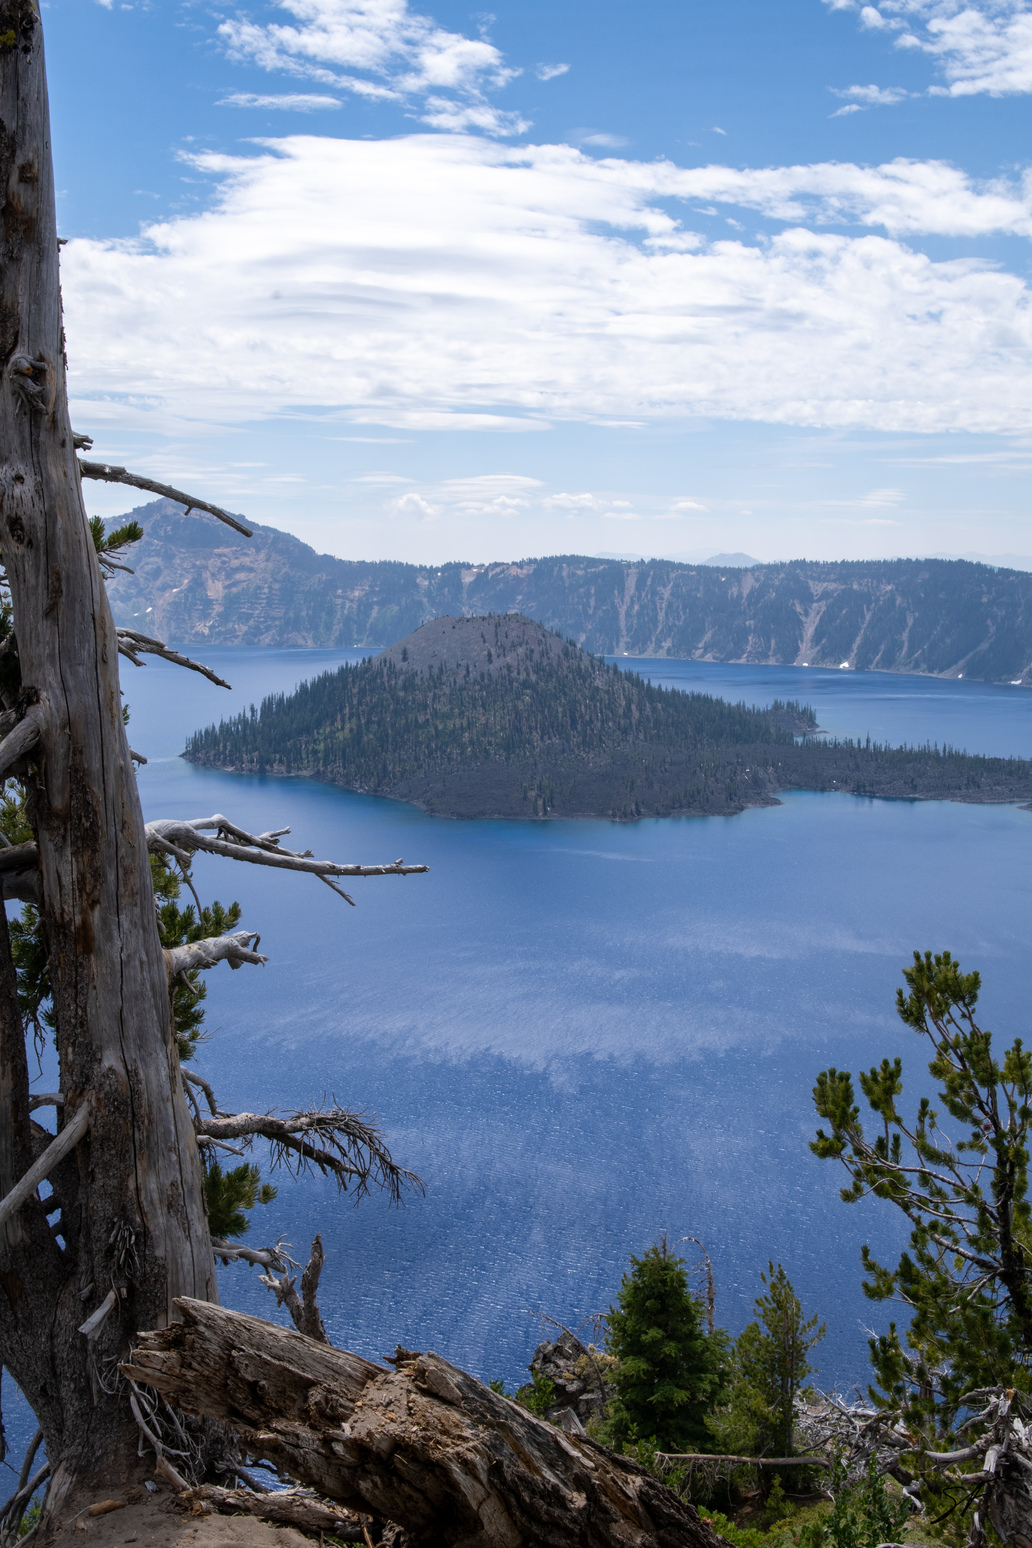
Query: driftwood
pixel 285 1507
pixel 425 1446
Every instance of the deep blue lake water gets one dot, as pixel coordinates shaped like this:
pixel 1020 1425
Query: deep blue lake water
pixel 582 1034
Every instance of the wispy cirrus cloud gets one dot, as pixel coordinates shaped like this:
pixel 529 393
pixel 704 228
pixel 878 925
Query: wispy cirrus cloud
pixel 400 56
pixel 291 102
pixel 981 46
pixel 449 282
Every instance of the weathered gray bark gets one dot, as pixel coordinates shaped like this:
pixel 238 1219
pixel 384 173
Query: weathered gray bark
pixel 425 1446
pixel 130 1199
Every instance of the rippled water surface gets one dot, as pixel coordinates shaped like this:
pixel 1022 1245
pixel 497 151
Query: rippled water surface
pixel 583 1033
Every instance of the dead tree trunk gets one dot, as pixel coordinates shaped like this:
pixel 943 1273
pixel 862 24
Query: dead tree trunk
pixel 130 1199
pixel 425 1446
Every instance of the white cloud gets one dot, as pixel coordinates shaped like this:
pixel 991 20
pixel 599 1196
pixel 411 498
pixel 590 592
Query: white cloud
pixel 572 502
pixel 547 72
pixel 681 506
pixel 487 494
pixel 980 45
pixel 609 141
pixel 453 117
pixel 296 102
pixel 861 97
pixel 450 282
pixel 401 54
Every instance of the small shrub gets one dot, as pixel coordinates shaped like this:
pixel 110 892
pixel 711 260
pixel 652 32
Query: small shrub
pixel 538 1395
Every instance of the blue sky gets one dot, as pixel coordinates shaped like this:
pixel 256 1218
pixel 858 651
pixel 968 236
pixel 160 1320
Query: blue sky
pixel 426 283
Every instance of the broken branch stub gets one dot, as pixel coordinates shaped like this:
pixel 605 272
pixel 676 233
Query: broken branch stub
pixel 426 1445
pixel 235 947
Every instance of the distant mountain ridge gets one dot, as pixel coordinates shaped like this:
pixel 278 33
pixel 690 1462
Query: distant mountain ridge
pixel 197 581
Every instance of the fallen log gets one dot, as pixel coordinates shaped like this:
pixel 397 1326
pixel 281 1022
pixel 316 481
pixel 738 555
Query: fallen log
pixel 425 1445
pixel 286 1507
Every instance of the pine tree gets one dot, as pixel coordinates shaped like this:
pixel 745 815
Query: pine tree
pixel 967 1278
pixel 770 1365
pixel 671 1372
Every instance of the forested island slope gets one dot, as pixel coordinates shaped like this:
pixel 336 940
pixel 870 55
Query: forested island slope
pixel 196 581
pixel 499 717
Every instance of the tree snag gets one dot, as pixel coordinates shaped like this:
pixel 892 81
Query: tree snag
pixel 123 1230
pixel 129 1201
pixel 425 1446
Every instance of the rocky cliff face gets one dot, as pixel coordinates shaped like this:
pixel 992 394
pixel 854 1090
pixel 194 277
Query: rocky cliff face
pixel 195 581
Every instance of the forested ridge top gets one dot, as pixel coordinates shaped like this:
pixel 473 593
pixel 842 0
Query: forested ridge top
pixel 496 716
pixel 194 582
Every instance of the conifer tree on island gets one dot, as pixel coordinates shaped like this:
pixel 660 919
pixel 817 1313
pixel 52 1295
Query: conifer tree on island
pixel 108 1279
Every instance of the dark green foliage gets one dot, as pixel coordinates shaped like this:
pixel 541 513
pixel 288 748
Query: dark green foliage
pixel 178 926
pixel 565 734
pixel 863 1515
pixel 111 543
pixel 229 1194
pixel 671 1373
pixel 770 1364
pixel 538 1394
pixel 379 726
pixel 967 1276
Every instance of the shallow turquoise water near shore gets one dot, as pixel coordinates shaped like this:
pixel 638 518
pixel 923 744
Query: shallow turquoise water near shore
pixel 581 1034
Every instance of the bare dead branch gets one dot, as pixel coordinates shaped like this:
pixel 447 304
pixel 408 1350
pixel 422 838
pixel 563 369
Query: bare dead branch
pixel 206 1139
pixel 303 1308
pixel 46 1099
pixel 13 1511
pixel 19 872
pixel 192 1078
pixel 183 838
pixel 276 1258
pixel 133 645
pixel 352 1148
pixel 30 1457
pixel 18 742
pixel 110 474
pixel 61 1146
pixel 312 1325
pixel 711 1291
pixel 719 1456
pixel 234 948
pixel 92 1326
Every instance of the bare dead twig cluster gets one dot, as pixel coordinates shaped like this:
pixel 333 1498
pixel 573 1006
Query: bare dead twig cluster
pixel 350 1147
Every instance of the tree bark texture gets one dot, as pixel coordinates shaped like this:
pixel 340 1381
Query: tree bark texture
pixel 130 1197
pixel 425 1446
